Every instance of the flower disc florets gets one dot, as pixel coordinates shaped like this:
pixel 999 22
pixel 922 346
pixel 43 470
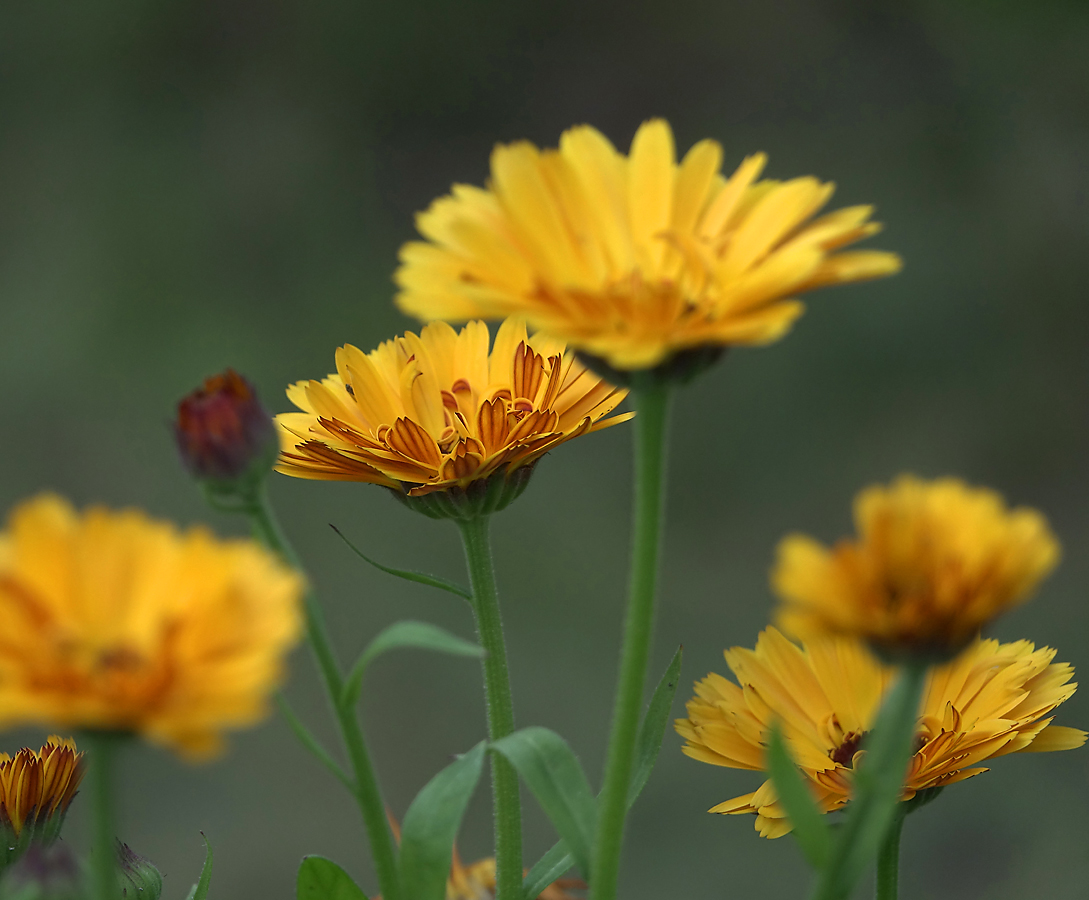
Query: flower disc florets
pixel 991 700
pixel 633 259
pixel 438 419
pixel 932 564
pixel 116 622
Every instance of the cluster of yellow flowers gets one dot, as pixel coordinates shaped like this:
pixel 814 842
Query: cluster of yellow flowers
pixel 629 270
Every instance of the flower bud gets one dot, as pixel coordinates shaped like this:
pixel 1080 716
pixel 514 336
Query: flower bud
pixel 44 873
pixel 137 875
pixel 223 434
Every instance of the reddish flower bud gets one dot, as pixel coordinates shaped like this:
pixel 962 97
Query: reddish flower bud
pixel 222 431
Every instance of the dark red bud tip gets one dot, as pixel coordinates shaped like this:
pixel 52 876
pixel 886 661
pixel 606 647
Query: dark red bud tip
pixel 222 431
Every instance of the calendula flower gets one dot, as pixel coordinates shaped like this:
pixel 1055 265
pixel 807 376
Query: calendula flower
pixel 222 431
pixel 932 564
pixel 991 700
pixel 633 259
pixel 116 622
pixel 37 787
pixel 436 412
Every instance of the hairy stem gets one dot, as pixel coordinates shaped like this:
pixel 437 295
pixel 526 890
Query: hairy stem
pixel 489 625
pixel 652 405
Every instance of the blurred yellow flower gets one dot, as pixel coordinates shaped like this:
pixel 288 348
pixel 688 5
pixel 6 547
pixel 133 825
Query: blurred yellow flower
pixel 991 700
pixel 117 622
pixel 36 788
pixel 436 412
pixel 633 259
pixel 933 563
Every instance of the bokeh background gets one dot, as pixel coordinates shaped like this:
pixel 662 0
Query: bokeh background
pixel 190 185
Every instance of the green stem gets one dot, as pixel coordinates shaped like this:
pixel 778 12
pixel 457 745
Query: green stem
pixel 652 405
pixel 888 861
pixel 489 625
pixel 366 790
pixel 102 745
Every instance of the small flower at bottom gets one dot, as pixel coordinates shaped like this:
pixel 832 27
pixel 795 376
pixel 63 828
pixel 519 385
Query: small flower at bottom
pixel 477 882
pixel 36 789
pixel 437 415
pixel 633 259
pixel 116 622
pixel 991 700
pixel 223 433
pixel 933 563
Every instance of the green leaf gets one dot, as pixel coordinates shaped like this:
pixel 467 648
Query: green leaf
pixel 810 828
pixel 199 891
pixel 654 725
pixel 553 773
pixel 878 783
pixel 431 824
pixel 322 879
pixel 311 743
pixel 407 634
pixel 408 575
pixel 549 867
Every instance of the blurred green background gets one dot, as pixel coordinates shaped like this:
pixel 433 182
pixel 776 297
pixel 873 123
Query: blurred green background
pixel 190 185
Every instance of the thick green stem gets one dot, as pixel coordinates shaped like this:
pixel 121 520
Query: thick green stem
pixel 102 745
pixel 652 406
pixel 367 793
pixel 489 626
pixel 888 861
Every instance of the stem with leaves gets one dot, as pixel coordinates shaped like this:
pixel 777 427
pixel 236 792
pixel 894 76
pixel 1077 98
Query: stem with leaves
pixel 365 784
pixel 651 400
pixel 497 693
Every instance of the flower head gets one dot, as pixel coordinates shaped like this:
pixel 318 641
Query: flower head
pixel 114 621
pixel 932 564
pixel 436 412
pixel 633 259
pixel 36 788
pixel 222 431
pixel 991 700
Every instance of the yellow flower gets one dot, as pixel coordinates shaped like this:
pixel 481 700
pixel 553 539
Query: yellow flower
pixel 991 700
pixel 933 563
pixel 36 788
pixel 437 412
pixel 118 622
pixel 633 259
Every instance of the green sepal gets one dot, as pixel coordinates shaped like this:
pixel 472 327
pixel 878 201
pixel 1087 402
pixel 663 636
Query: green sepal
pixel 479 498
pixel 810 828
pixel 431 825
pixel 199 891
pixel 409 575
pixel 653 729
pixel 322 879
pixel 404 635
pixel 553 773
pixel 679 369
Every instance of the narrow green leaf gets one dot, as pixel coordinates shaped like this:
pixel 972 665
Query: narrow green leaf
pixel 322 879
pixel 548 868
pixel 654 726
pixel 311 743
pixel 199 891
pixel 878 783
pixel 810 828
pixel 553 773
pixel 431 824
pixel 407 634
pixel 407 574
